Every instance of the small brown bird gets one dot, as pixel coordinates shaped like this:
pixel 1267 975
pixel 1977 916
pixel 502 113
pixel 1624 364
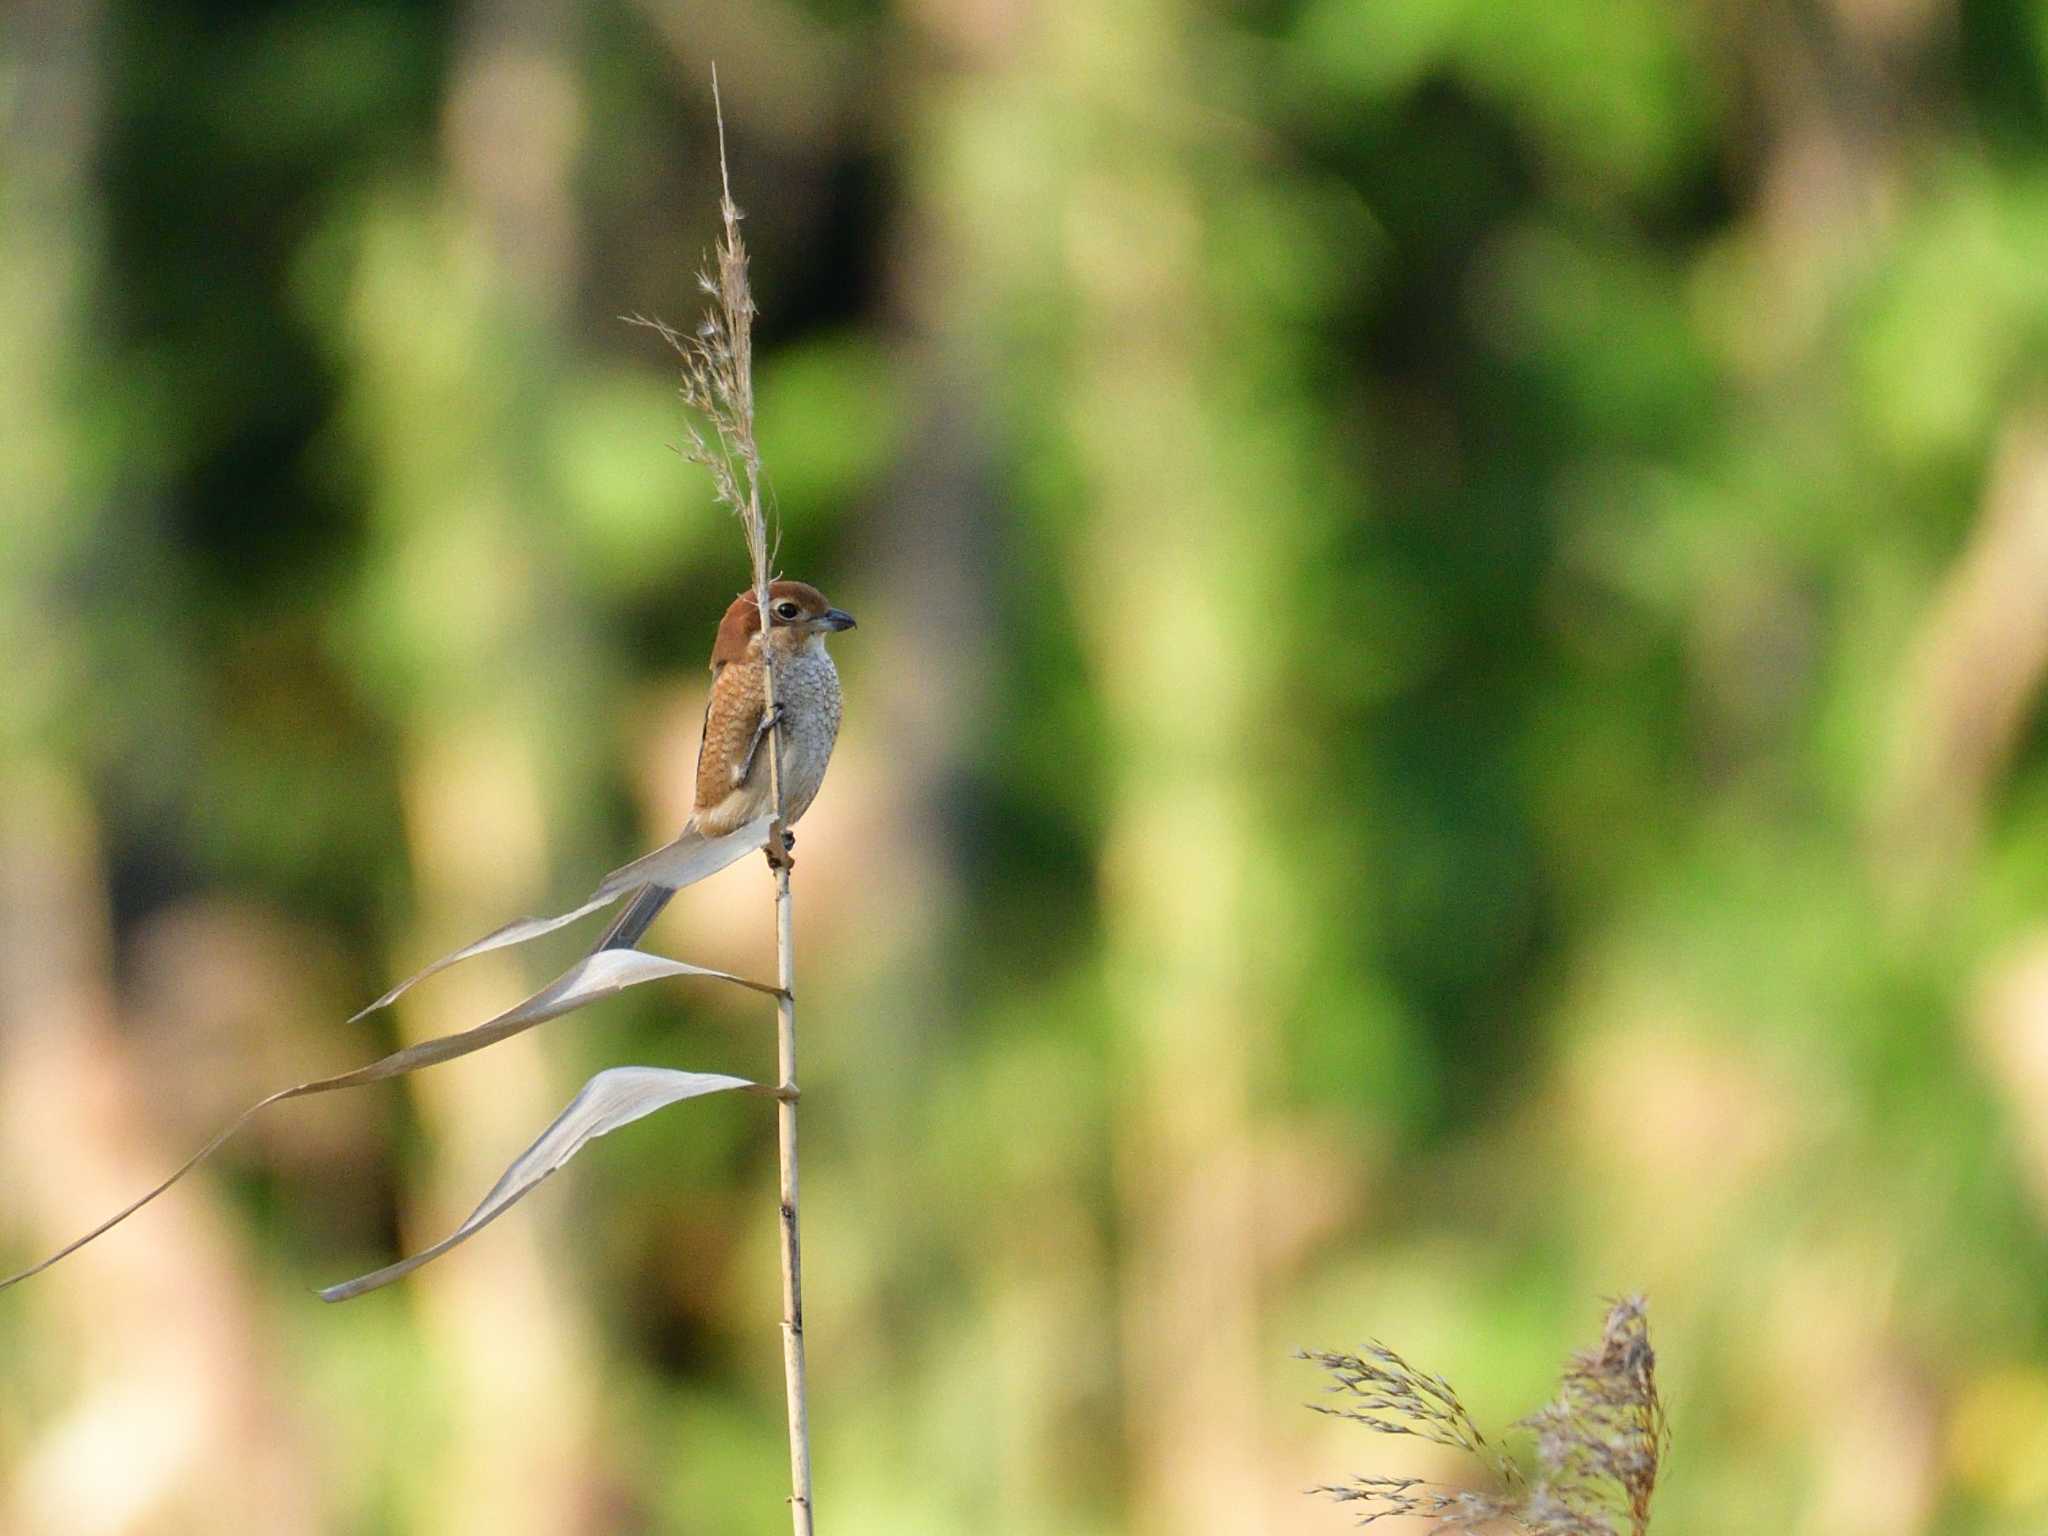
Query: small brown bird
pixel 732 769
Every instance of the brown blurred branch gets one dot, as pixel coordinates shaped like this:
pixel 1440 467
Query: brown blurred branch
pixel 1974 673
pixel 800 81
pixel 170 1380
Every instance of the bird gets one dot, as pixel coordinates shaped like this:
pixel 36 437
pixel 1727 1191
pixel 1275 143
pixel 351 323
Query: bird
pixel 733 782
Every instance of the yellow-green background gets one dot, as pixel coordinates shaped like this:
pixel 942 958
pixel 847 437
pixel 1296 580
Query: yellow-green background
pixel 1453 595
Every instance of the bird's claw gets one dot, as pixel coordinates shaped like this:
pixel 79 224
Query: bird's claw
pixel 769 720
pixel 778 858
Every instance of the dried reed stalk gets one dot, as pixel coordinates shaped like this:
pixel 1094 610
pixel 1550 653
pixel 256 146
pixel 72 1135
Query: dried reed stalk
pixel 718 386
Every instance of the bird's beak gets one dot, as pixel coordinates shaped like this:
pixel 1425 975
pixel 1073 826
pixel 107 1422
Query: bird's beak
pixel 836 618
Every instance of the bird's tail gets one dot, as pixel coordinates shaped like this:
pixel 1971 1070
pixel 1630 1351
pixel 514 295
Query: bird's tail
pixel 628 927
pixel 631 925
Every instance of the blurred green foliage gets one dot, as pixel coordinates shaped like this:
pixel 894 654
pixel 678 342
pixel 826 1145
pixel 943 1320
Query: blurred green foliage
pixel 1443 722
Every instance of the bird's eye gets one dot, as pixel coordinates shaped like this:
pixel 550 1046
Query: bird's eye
pixel 785 610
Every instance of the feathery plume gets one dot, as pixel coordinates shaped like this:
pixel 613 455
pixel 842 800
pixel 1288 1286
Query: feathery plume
pixel 1598 1444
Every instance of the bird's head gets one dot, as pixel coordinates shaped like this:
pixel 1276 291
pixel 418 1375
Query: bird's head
pixel 798 616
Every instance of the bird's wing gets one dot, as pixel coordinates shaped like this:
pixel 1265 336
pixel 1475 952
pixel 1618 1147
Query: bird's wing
pixel 704 731
pixel 731 720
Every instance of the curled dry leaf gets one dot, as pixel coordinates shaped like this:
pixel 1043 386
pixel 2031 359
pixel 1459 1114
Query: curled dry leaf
pixel 690 858
pixel 609 1100
pixel 595 976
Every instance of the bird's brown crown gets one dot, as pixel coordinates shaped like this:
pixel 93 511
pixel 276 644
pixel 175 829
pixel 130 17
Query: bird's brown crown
pixel 796 605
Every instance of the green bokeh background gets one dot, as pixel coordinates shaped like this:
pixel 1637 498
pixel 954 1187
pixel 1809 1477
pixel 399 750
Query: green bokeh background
pixel 1444 725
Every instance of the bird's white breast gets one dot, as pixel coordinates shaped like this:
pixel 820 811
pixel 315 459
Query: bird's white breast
pixel 807 688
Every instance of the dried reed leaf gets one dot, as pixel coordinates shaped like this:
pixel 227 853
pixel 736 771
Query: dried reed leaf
pixel 609 1100
pixel 595 976
pixel 685 861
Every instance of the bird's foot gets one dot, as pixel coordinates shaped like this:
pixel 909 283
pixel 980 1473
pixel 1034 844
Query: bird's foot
pixel 769 720
pixel 778 858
